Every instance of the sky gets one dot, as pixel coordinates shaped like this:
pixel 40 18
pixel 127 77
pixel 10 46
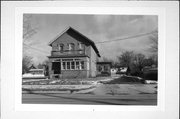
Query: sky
pixel 98 28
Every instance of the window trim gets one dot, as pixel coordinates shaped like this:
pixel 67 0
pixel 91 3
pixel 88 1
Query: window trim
pixel 70 48
pixel 80 44
pixel 61 45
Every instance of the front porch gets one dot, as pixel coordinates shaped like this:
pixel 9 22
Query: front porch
pixel 61 68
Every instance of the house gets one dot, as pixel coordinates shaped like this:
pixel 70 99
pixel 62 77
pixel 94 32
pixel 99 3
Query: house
pixel 103 68
pixel 150 73
pixel 123 70
pixel 32 67
pixel 114 70
pixel 73 55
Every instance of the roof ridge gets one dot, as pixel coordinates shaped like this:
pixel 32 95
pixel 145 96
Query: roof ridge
pixel 61 33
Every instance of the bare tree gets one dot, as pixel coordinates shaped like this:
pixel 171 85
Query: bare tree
pixel 148 62
pixel 46 67
pixel 28 29
pixel 154 42
pixel 126 58
pixel 26 63
pixel 139 61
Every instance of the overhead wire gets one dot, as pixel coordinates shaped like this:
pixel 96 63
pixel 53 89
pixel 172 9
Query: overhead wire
pixel 130 37
pixel 42 51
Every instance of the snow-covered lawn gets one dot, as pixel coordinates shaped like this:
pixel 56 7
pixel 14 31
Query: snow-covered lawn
pixel 151 82
pixel 30 80
pixel 99 89
pixel 103 86
pixel 56 87
pixel 125 89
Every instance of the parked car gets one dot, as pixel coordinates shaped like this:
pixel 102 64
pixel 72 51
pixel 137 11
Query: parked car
pixel 34 74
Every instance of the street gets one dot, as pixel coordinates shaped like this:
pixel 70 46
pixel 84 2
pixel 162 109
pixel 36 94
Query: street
pixel 137 99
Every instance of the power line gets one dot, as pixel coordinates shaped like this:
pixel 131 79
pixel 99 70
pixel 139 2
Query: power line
pixel 139 35
pixel 35 48
pixel 135 36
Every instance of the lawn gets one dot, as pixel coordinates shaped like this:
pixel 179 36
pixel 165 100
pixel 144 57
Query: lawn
pixel 101 85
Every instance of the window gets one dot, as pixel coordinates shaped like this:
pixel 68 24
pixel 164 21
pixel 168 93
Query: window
pixel 72 65
pixel 82 65
pixel 71 46
pixel 61 47
pixel 80 45
pixel 55 47
pixel 68 65
pixel 77 65
pixel 105 68
pixel 64 65
pixel 99 68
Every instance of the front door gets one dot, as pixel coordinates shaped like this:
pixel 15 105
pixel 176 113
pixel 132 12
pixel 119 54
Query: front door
pixel 56 66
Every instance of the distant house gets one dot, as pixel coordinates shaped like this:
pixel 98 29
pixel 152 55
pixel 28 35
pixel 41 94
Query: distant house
pixel 150 73
pixel 32 67
pixel 114 70
pixel 123 70
pixel 103 68
pixel 73 55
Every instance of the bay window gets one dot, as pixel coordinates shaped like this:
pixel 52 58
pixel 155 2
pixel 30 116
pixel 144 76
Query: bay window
pixel 73 64
pixel 64 65
pixel 68 65
pixel 77 65
pixel 82 65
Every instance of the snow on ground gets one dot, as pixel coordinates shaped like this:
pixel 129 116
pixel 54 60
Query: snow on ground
pixel 99 89
pixel 54 87
pixel 151 82
pixel 30 80
pixel 130 89
pixel 95 87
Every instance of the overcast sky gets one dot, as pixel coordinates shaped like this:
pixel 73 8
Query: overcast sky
pixel 97 28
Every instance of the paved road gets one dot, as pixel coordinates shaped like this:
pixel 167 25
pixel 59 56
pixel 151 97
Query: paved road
pixel 138 99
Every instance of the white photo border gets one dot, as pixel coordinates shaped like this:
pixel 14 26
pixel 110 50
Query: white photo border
pixel 12 54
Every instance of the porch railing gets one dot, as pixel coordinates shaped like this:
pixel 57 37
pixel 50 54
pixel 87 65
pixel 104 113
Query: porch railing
pixel 67 52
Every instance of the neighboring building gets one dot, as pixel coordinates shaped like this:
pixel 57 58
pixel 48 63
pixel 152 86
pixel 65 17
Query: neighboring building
pixel 114 70
pixel 73 55
pixel 32 67
pixel 103 68
pixel 150 73
pixel 123 70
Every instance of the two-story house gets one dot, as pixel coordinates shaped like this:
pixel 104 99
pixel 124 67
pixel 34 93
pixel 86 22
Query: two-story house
pixel 73 55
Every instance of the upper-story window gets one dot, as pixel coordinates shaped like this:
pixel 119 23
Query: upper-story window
pixel 81 45
pixel 61 47
pixel 55 48
pixel 71 46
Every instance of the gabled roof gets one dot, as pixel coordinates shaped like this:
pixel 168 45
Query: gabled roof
pixel 32 67
pixel 76 32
